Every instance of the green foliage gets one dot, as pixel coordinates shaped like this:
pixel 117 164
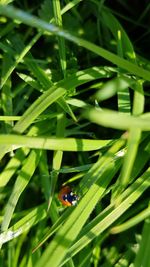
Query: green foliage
pixel 74 111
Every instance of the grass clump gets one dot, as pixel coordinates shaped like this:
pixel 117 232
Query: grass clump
pixel 74 111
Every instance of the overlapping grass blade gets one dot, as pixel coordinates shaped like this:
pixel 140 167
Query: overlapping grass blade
pixel 12 166
pixel 71 228
pixel 51 95
pixel 24 224
pixel 20 184
pixel 43 26
pixel 111 215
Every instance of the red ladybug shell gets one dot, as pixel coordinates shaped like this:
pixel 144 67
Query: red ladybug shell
pixel 67 197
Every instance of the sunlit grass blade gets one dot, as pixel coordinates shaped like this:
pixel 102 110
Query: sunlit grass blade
pixel 131 222
pixel 133 139
pixel 61 101
pixel 37 108
pixel 41 25
pixel 113 24
pixel 71 228
pixel 64 144
pixel 132 147
pixel 21 183
pixel 19 58
pixel 51 95
pixel 101 224
pixel 116 120
pixel 111 87
pixel 12 166
pixel 61 41
pixel 139 99
pixel 24 224
pixel 74 114
pixel 109 164
pixel 34 110
pixel 58 154
pixel 10 118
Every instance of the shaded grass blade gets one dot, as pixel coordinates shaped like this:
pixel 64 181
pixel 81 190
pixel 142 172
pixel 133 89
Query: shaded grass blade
pixel 142 258
pixel 43 26
pixel 20 184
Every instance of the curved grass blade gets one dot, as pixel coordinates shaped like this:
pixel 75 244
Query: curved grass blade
pixel 47 27
pixel 131 222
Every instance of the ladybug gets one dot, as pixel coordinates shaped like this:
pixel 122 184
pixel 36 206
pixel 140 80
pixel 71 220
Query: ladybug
pixel 67 197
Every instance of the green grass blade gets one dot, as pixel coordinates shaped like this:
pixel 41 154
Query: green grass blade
pixel 10 118
pixel 34 110
pixel 21 183
pixel 131 222
pixel 41 25
pixel 61 41
pixel 116 120
pixel 132 147
pixel 64 144
pixel 12 166
pixel 139 99
pixel 115 27
pixel 19 59
pixel 109 164
pixel 57 155
pixel 24 224
pixel 133 139
pixel 111 87
pixel 71 228
pixel 6 95
pixel 124 50
pixel 101 224
pixel 37 108
pixel 142 257
pixel 61 101
pixel 52 95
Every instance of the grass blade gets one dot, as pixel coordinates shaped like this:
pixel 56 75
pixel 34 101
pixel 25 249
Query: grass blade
pixel 43 26
pixel 21 183
pixel 64 144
